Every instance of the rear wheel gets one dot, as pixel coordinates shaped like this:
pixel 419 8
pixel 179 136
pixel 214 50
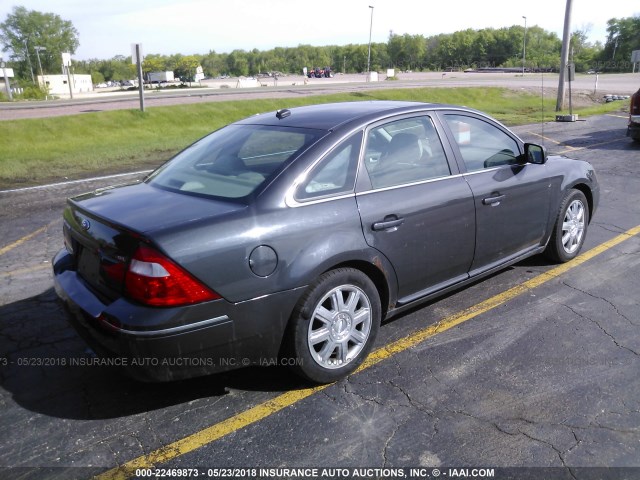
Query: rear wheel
pixel 570 228
pixel 334 325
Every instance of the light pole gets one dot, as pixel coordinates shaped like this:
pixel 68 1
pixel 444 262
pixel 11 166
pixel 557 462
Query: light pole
pixel 369 54
pixel 524 44
pixel 38 50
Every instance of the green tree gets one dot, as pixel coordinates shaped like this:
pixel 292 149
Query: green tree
pixel 185 68
pixel 544 48
pixel 23 30
pixel 214 64
pixel 585 54
pixel 396 51
pixel 97 77
pixel 153 63
pixel 623 37
pixel 238 63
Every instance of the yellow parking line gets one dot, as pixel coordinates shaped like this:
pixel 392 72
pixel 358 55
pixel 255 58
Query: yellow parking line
pixel 22 271
pixel 268 408
pixel 20 241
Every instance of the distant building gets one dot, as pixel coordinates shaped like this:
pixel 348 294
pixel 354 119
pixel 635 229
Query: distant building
pixel 9 74
pixel 58 84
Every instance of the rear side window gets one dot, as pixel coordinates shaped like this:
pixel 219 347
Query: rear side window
pixel 233 161
pixel 404 151
pixel 481 144
pixel 335 174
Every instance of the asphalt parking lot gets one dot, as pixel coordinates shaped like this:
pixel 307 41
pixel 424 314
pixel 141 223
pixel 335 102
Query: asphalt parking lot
pixel 533 367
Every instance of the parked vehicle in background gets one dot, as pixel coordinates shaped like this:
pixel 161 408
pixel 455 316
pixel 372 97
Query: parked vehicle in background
pixel 160 77
pixel 320 72
pixel 633 130
pixel 292 234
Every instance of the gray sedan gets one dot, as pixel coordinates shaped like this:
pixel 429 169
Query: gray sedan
pixel 288 236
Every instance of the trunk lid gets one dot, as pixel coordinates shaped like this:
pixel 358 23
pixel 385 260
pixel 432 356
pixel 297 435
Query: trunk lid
pixel 103 229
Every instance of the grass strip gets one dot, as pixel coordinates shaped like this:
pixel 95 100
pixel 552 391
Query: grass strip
pixel 36 151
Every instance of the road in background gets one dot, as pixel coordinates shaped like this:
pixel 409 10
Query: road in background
pixel 296 86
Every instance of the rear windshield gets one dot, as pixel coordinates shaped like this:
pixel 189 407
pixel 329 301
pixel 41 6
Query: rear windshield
pixel 234 161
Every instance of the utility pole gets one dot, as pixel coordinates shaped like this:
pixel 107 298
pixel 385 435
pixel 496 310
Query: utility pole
pixel 564 56
pixel 136 59
pixel 26 54
pixel 66 65
pixel 38 50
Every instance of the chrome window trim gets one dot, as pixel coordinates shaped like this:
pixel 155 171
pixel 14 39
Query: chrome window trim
pixel 412 184
pixel 295 204
pixel 291 201
pixel 497 167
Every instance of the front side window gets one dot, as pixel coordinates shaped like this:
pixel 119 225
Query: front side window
pixel 234 161
pixel 481 144
pixel 404 151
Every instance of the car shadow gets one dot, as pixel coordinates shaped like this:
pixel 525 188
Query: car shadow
pixel 36 348
pixel 602 140
pixel 37 345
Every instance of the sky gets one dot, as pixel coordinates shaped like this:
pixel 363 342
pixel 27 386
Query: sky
pixel 108 27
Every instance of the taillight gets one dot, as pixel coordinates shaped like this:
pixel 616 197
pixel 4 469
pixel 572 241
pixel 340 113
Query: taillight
pixel 153 279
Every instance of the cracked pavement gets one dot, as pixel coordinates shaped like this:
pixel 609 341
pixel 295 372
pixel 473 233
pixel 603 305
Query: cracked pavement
pixel 548 379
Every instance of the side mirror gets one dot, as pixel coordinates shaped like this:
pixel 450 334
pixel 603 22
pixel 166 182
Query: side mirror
pixel 535 153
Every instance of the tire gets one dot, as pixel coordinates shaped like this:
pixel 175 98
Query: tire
pixel 334 325
pixel 570 228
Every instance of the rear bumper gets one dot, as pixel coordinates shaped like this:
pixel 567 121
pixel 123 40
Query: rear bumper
pixel 163 344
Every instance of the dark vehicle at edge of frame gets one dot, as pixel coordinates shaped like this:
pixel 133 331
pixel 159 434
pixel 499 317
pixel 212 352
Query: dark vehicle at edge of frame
pixel 633 130
pixel 293 234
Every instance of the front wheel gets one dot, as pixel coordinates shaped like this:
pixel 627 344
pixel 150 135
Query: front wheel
pixel 570 228
pixel 334 325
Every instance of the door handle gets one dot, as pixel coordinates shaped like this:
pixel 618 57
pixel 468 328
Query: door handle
pixel 389 222
pixel 493 200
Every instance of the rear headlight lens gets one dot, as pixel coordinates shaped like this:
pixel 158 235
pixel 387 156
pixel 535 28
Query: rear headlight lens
pixel 154 279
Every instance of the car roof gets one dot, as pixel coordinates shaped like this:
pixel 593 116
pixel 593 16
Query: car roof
pixel 329 116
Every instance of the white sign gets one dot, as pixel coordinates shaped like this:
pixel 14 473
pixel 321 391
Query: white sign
pixel 635 56
pixel 8 72
pixel 66 59
pixel 134 53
